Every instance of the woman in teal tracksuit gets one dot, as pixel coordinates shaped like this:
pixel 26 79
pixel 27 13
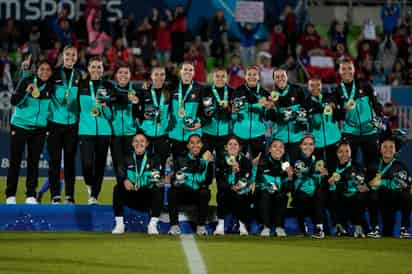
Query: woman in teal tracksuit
pixel 28 125
pixel 94 126
pixel 233 176
pixel 307 180
pixel 358 106
pixel 125 107
pixel 185 110
pixel 347 183
pixel 322 122
pixel 63 126
pixel 216 115
pixel 249 103
pixel 289 124
pixel 154 121
pixel 391 191
pixel 273 182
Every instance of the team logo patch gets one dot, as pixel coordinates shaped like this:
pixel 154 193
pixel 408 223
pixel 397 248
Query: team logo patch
pixel 13 132
pixel 360 91
pixel 193 96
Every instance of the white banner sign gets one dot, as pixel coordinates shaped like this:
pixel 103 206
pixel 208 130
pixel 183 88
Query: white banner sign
pixel 247 11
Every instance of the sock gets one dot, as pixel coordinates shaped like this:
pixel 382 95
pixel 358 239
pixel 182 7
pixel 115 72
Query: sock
pixel 220 222
pixel 119 219
pixel 154 220
pixel 320 226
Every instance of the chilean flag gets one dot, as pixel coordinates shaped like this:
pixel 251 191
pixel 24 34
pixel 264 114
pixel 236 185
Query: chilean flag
pixel 320 66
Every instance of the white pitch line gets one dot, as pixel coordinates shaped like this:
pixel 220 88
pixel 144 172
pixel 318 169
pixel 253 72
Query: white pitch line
pixel 194 258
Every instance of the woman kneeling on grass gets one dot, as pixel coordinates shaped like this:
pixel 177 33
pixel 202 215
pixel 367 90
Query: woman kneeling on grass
pixel 233 175
pixel 193 175
pixel 142 186
pixel 348 181
pixel 273 181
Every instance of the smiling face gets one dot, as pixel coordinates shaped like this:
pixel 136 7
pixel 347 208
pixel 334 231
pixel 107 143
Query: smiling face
pixel 69 57
pixel 187 72
pixel 123 76
pixel 277 150
pixel 44 72
pixel 140 144
pixel 252 77
pixel 158 77
pixel 347 71
pixel 315 86
pixel 232 147
pixel 344 153
pixel 281 78
pixel 95 69
pixel 307 146
pixel 195 145
pixel 388 150
pixel 220 78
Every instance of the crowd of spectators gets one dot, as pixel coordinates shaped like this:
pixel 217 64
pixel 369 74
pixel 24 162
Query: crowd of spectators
pixel 383 57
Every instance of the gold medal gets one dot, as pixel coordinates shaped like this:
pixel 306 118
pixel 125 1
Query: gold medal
pixel 351 103
pixel 319 165
pixel 35 93
pixel 328 110
pixel 224 103
pixel 336 177
pixel 182 112
pixel 231 160
pixel 137 186
pixel 131 94
pixel 275 96
pixel 207 156
pixel 262 101
pixel 95 112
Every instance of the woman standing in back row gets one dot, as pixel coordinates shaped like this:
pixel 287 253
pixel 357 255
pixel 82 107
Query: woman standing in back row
pixel 63 126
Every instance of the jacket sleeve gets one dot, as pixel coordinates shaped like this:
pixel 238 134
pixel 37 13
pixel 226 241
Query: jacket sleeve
pixel 20 95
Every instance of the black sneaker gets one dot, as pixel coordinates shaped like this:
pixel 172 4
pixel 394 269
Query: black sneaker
pixel 405 233
pixel 39 197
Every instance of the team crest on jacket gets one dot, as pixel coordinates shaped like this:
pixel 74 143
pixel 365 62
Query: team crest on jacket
pixel 292 99
pixel 360 91
pixel 193 96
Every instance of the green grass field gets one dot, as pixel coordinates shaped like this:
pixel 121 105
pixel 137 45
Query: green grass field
pixel 81 192
pixel 24 252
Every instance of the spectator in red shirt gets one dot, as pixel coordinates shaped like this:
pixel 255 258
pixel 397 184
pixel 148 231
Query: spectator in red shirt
pixel 178 29
pixel 138 70
pixel 278 45
pixel 163 42
pixel 236 72
pixel 309 40
pixel 53 54
pixel 290 28
pixel 118 53
pixel 198 60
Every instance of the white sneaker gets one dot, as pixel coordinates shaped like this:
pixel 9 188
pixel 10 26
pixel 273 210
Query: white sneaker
pixel 11 200
pixel 242 229
pixel 358 232
pixel 201 230
pixel 119 228
pixel 174 230
pixel 92 201
pixel 89 190
pixel 220 229
pixel 31 201
pixel 152 229
pixel 280 232
pixel 265 232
